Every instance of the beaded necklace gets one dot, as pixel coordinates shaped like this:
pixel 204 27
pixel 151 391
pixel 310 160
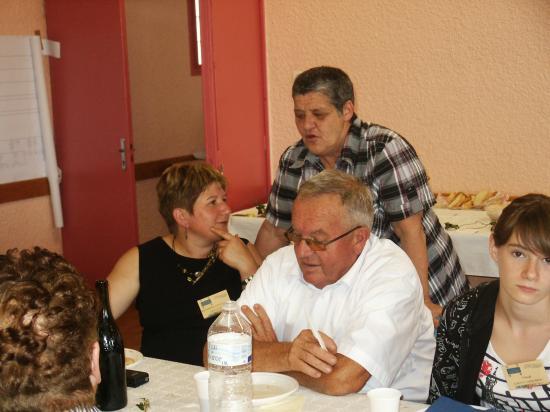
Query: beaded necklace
pixel 194 277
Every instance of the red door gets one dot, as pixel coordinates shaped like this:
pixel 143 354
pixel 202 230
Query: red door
pixel 234 97
pixel 91 113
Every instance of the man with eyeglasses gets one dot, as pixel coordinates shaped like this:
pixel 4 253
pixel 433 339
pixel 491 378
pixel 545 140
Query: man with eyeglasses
pixel 333 137
pixel 359 294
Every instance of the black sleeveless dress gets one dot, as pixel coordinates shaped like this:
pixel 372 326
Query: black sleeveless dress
pixel 173 326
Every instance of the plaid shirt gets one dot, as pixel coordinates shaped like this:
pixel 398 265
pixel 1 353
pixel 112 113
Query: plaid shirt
pixel 390 167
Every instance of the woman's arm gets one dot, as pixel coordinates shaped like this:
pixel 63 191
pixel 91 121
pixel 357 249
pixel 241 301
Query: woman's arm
pixel 124 282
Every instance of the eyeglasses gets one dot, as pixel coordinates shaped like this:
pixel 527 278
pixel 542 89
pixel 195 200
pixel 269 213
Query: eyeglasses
pixel 314 244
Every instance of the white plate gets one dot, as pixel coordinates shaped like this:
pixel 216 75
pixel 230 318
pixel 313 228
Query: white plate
pixel 272 387
pixel 132 357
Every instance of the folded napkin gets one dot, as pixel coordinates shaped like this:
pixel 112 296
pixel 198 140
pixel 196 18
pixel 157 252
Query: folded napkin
pixel 444 404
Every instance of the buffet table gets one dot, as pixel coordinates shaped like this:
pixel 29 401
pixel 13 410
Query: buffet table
pixel 471 239
pixel 171 388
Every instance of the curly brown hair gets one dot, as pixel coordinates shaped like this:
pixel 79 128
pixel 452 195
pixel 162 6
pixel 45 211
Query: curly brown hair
pixel 47 328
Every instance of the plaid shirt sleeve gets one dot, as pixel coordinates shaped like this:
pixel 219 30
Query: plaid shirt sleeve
pixel 284 190
pixel 402 180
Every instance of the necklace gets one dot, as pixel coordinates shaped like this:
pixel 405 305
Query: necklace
pixel 194 277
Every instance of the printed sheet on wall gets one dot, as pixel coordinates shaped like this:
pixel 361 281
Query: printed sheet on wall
pixel 26 136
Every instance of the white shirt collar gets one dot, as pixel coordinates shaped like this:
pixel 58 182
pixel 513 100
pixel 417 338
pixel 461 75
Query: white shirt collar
pixel 349 277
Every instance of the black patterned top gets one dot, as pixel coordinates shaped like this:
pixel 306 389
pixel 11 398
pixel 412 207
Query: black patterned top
pixel 173 326
pixel 461 343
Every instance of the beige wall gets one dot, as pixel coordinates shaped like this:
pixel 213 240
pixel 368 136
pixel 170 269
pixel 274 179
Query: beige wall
pixel 28 222
pixel 150 223
pixel 466 82
pixel 166 100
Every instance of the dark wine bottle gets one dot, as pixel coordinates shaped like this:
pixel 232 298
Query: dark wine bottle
pixel 111 392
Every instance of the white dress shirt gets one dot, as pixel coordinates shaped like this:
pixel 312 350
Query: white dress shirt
pixel 375 313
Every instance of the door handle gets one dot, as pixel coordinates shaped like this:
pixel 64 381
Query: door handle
pixel 122 151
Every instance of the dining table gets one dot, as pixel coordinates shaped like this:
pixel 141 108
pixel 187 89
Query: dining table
pixel 469 230
pixel 171 387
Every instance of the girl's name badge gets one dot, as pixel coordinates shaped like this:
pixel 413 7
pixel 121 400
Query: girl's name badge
pixel 212 305
pixel 526 374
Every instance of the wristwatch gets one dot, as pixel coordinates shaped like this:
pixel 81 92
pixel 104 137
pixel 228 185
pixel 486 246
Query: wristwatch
pixel 246 281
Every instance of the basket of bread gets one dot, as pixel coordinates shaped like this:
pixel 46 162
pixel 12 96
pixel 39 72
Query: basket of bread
pixel 491 202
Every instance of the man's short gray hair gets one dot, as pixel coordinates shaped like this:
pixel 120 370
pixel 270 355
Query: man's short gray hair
pixel 330 81
pixel 354 195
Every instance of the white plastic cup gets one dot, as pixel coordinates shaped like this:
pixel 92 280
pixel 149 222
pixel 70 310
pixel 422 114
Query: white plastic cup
pixel 384 400
pixel 201 381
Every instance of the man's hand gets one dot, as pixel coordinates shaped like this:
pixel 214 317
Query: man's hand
pixel 262 329
pixel 306 356
pixel 436 311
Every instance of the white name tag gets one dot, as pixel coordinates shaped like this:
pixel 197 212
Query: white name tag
pixel 526 374
pixel 212 305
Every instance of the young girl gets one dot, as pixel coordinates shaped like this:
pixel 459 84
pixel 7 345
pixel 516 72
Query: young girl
pixel 492 328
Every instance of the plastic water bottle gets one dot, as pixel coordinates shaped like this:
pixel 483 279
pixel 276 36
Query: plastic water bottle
pixel 230 361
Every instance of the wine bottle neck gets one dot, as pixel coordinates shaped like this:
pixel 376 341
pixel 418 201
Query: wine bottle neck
pixel 103 291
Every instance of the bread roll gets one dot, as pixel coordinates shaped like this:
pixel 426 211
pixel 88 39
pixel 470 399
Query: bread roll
pixel 458 200
pixel 496 199
pixel 480 197
pixel 452 197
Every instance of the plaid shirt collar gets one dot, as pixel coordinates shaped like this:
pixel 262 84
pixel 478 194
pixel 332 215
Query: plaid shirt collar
pixel 348 154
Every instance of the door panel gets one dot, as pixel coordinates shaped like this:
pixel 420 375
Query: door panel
pixel 91 115
pixel 234 97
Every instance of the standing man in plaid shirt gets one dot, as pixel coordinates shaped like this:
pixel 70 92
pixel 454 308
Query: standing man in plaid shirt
pixel 333 137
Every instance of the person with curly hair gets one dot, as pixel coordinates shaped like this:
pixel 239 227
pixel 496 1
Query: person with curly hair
pixel 495 332
pixel 49 354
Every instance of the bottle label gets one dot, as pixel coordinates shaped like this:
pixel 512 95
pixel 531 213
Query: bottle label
pixel 229 349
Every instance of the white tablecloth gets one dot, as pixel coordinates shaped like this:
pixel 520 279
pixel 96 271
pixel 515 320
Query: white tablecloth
pixel 471 240
pixel 171 388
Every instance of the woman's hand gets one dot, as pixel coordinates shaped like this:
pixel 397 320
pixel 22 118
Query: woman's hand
pixel 233 252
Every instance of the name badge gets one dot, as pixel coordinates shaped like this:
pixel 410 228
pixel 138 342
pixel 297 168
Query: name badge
pixel 212 305
pixel 526 374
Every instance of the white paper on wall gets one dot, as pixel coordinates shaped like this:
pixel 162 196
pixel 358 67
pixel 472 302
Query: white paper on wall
pixel 26 135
